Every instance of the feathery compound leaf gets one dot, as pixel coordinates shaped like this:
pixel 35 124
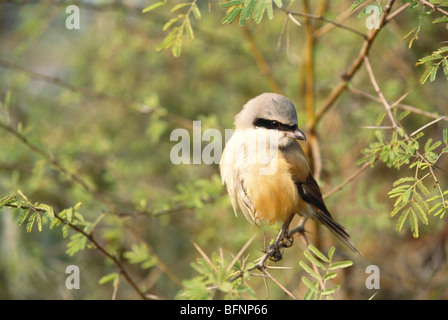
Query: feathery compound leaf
pixel 153 6
pixel 231 15
pixel 232 3
pixel 340 265
pixel 319 254
pixel 310 285
pixel 445 68
pixel 180 6
pixel 249 5
pixel 425 75
pixel 331 290
pixel 413 220
pixel 109 277
pixel 7 200
pixel 402 219
pixel 313 260
pixel 357 4
pixel 310 270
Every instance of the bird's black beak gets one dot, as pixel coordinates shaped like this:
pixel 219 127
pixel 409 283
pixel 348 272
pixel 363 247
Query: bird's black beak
pixel 296 134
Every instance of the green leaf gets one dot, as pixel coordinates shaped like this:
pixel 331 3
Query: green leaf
pixel 189 28
pixel 429 58
pixel 425 75
pixel 169 40
pixel 331 290
pixel 356 4
pixel 433 74
pixel 109 277
pixel 445 68
pixel 420 212
pixel 401 220
pixel 423 188
pixel 249 8
pixel 231 15
pixel 153 6
pixel 330 275
pixel 340 265
pixel 440 19
pixel 171 22
pixel 319 254
pixel 278 3
pixel 77 243
pixel 313 260
pixel 331 252
pixel 232 3
pixel 7 200
pixel 402 180
pixel 180 6
pixel 22 217
pixel 39 222
pixel 310 271
pixel 196 11
pixel 30 223
pixel 310 285
pixel 414 222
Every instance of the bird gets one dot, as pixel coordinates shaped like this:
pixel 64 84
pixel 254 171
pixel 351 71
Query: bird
pixel 266 172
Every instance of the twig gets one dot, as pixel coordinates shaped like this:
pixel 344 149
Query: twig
pixel 346 181
pixel 260 60
pixel 170 117
pixel 342 85
pixel 52 160
pixel 432 6
pixel 395 104
pixel 114 294
pixel 265 272
pixel 95 243
pixel 428 124
pixel 397 12
pixel 380 94
pixel 238 255
pixel 321 18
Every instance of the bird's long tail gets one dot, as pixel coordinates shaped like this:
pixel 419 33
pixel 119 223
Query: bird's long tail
pixel 337 230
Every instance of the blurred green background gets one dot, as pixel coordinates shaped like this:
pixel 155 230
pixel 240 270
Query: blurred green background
pixel 104 102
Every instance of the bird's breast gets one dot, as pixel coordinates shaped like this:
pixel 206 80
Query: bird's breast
pixel 274 196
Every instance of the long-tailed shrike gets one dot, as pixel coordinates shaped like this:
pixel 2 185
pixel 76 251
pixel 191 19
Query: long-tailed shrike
pixel 266 171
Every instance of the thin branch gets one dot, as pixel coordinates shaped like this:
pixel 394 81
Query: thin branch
pixel 260 60
pixel 395 104
pixel 128 103
pixel 322 18
pixel 346 181
pixel 265 272
pixel 95 243
pixel 52 160
pixel 397 12
pixel 428 124
pixel 238 255
pixel 342 85
pixel 379 93
pixel 432 6
pixel 341 18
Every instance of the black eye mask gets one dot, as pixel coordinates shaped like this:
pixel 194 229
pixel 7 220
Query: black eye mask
pixel 273 124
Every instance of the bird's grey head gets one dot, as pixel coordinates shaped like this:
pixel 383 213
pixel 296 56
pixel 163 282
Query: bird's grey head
pixel 271 111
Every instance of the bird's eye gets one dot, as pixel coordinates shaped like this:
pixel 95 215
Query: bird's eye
pixel 275 124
